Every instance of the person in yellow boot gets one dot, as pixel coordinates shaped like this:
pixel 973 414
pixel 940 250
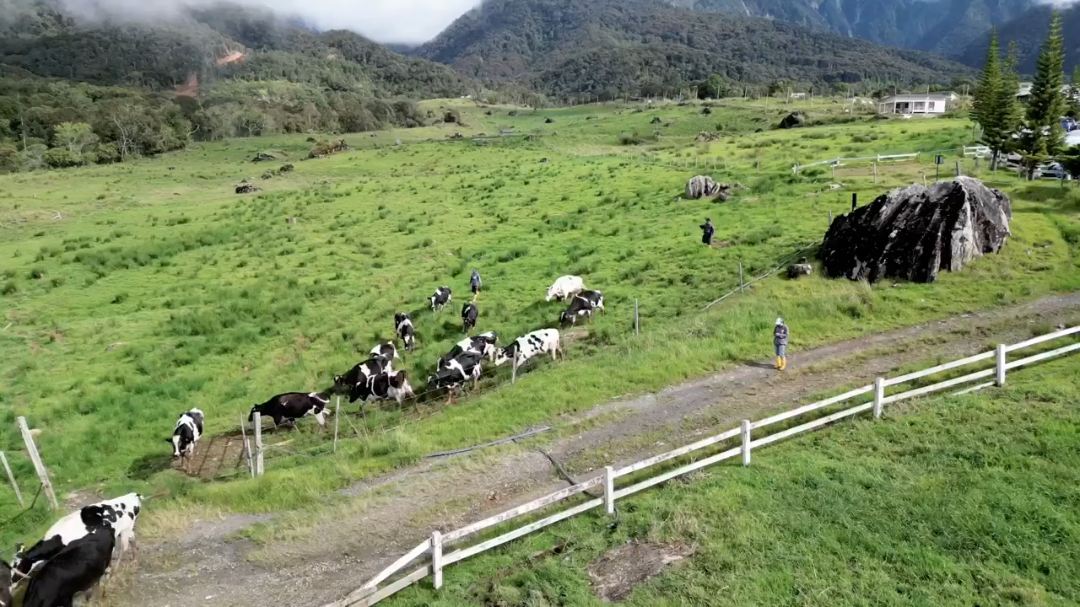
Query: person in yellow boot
pixel 780 340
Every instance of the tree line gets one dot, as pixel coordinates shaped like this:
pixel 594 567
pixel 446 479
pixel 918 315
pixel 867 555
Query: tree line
pixel 1032 130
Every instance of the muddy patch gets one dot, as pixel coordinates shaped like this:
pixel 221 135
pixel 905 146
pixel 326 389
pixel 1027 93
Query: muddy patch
pixel 615 575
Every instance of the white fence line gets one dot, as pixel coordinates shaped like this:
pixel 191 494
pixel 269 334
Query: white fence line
pixel 369 593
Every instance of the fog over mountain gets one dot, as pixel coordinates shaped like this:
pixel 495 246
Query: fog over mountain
pixel 397 21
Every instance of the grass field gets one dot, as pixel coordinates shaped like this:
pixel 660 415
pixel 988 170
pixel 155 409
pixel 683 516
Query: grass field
pixel 950 501
pixel 134 292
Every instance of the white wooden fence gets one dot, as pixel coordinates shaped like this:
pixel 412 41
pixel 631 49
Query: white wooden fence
pixel 435 547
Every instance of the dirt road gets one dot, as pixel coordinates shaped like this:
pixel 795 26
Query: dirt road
pixel 335 550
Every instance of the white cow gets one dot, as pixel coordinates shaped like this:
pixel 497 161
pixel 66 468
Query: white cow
pixel 565 286
pixel 529 346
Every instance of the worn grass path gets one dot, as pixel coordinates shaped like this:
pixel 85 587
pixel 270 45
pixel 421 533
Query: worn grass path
pixel 309 559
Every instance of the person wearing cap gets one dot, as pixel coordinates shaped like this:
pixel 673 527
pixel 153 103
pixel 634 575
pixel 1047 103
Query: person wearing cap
pixel 707 230
pixel 780 341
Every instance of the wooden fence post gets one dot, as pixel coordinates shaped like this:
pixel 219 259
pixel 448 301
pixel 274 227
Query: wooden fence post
pixel 39 465
pixel 609 489
pixel 637 319
pixel 337 420
pixel 999 379
pixel 247 448
pixel 11 477
pixel 957 168
pixel 436 558
pixel 258 445
pixel 879 396
pixel 746 442
pixel 742 280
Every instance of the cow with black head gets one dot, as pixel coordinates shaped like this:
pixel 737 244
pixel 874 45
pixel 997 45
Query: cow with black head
pixel 287 408
pixel 442 296
pixel 469 314
pixel 456 373
pixel 186 434
pixel 405 331
pixel 362 373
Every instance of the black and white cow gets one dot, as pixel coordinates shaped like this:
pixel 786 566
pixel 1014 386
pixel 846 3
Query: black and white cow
pixel 384 386
pixel 186 433
pixel 387 350
pixel 5 585
pixel 293 406
pixel 595 299
pixel 442 296
pixel 579 308
pixel 76 569
pixel 362 373
pixel 529 346
pixel 469 314
pixel 119 515
pixel 484 344
pixel 405 331
pixel 456 373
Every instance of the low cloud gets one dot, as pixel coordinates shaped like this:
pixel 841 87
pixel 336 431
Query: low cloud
pixel 402 21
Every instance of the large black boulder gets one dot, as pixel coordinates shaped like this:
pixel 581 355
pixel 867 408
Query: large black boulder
pixel 913 233
pixel 793 120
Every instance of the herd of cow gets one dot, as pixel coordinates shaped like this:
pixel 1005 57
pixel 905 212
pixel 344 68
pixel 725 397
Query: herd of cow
pixel 76 553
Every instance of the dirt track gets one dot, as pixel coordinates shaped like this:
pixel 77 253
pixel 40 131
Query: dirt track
pixel 390 515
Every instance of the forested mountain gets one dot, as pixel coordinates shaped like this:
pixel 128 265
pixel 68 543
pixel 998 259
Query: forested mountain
pixel 1028 32
pixel 73 92
pixel 199 42
pixel 945 27
pixel 611 48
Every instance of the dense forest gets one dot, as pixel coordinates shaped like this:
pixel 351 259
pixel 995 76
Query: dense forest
pixel 945 27
pixel 613 48
pixel 75 93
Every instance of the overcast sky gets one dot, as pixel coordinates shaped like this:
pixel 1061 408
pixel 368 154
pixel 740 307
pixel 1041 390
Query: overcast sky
pixel 411 21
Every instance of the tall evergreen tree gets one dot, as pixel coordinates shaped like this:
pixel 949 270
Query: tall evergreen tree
pixel 994 106
pixel 1074 93
pixel 1043 135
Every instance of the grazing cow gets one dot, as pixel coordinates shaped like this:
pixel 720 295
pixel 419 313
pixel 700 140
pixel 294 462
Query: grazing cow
pixel 525 348
pixel 384 386
pixel 119 514
pixel 188 431
pixel 595 299
pixel 564 287
pixel 457 371
pixel 403 327
pixel 579 308
pixel 5 585
pixel 387 350
pixel 76 569
pixel 484 344
pixel 469 314
pixel 293 406
pixel 442 296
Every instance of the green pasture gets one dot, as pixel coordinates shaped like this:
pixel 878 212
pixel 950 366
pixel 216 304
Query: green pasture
pixel 134 292
pixel 966 500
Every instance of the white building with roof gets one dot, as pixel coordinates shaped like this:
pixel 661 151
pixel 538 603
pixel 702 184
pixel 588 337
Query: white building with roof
pixel 916 103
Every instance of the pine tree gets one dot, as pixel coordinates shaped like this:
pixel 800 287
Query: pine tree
pixel 1074 93
pixel 1043 136
pixel 991 105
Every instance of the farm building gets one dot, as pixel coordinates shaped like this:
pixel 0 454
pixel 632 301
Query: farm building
pixel 921 103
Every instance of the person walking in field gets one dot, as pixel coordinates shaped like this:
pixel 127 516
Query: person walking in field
pixel 475 283
pixel 707 231
pixel 780 341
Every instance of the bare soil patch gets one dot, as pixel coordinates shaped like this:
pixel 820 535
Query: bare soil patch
pixel 615 575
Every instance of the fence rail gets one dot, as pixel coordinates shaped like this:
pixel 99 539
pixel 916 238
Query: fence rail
pixel 370 593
